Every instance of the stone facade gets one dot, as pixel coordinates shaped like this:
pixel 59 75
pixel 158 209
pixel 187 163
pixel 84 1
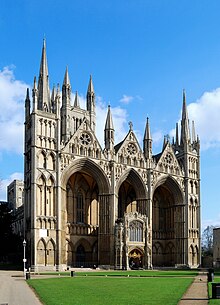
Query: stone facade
pixel 15 196
pixel 117 207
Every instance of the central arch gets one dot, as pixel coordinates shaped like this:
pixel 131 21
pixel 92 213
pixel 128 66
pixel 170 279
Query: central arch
pixel 167 224
pixel 132 194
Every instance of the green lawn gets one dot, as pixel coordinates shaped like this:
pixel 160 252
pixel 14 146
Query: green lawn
pixel 88 290
pixel 141 273
pixel 134 273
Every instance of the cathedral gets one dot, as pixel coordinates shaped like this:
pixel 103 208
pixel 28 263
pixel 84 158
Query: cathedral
pixel 117 206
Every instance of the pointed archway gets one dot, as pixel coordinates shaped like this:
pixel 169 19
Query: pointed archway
pixel 85 200
pixel 131 221
pixel 167 224
pixel 132 194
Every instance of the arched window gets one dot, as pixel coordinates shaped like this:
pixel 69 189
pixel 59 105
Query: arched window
pixel 79 208
pixel 136 231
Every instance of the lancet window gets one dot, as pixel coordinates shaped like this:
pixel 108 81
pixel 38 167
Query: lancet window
pixel 136 231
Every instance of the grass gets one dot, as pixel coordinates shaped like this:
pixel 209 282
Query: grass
pixel 132 273
pixel 141 273
pixel 97 290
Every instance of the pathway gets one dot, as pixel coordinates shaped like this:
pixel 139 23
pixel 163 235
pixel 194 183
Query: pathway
pixel 15 291
pixel 197 293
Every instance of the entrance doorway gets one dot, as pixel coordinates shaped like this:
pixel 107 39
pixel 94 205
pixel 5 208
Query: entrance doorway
pixel 135 259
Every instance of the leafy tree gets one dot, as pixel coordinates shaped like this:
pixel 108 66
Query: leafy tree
pixel 207 241
pixel 11 244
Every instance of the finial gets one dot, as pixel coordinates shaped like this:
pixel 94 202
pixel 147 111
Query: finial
pixel 27 95
pixel 130 125
pixel 184 95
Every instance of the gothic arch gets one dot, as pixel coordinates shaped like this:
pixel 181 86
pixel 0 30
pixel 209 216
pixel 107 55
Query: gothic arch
pixel 69 252
pixel 172 185
pixel 83 253
pixel 41 195
pixel 132 194
pixel 168 222
pixel 41 252
pixel 135 179
pixel 90 167
pixel 41 155
pixel 87 246
pixel 51 250
pixel 51 161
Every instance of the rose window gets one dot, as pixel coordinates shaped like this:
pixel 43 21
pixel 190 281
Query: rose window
pixel 168 158
pixel 131 149
pixel 85 139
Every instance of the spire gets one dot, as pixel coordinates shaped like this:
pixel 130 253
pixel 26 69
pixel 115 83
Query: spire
pixel 177 134
pixel 90 97
pixel 90 104
pixel 109 121
pixel 53 97
pixel 66 90
pixel 27 104
pixel 57 101
pixel 109 131
pixel 43 83
pixel 53 94
pixel 35 94
pixel 147 134
pixel 193 132
pixel 90 86
pixel 76 102
pixel 66 80
pixel 185 134
pixel 147 141
pixel 35 83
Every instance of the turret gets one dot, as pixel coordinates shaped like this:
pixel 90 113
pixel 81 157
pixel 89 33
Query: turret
pixel 53 97
pixel 66 108
pixel 185 132
pixel 90 99
pixel 76 102
pixel 27 105
pixel 147 141
pixel 193 132
pixel 43 102
pixel 66 90
pixel 57 102
pixel 177 135
pixel 109 131
pixel 35 95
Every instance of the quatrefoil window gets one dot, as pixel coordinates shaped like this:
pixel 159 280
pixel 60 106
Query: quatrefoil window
pixel 85 139
pixel 168 158
pixel 131 149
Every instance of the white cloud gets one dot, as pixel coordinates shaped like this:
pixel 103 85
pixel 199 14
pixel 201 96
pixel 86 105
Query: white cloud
pixel 12 95
pixel 5 182
pixel 205 112
pixel 119 117
pixel 157 137
pixel 126 99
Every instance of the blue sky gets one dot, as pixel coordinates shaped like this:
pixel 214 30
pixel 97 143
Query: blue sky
pixel 141 54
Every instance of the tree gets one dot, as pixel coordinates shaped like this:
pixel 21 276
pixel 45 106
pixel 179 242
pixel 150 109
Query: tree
pixel 207 241
pixel 11 244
